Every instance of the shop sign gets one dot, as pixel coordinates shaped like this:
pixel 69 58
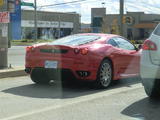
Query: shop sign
pixel 47 24
pixel 4 17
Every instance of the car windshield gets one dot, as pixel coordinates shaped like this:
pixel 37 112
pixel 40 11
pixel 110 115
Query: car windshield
pixel 75 40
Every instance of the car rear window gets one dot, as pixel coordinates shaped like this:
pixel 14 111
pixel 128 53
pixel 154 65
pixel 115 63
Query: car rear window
pixel 76 40
pixel 157 30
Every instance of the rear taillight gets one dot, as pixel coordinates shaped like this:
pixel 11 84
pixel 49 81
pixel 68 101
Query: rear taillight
pixel 149 45
pixel 30 49
pixel 83 51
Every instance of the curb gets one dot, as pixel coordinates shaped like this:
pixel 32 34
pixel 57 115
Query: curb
pixel 12 73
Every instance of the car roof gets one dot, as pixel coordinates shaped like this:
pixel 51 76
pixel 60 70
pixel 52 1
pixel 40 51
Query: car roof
pixel 100 34
pixel 107 36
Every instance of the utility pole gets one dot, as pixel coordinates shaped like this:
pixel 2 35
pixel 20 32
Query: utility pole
pixel 3 35
pixel 121 16
pixel 35 20
pixel 59 26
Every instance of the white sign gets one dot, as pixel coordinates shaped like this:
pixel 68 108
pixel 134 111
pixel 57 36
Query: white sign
pixel 47 24
pixel 4 31
pixel 66 24
pixel 4 17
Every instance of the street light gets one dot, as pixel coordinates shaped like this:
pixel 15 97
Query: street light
pixel 121 16
pixel 59 26
pixel 35 20
pixel 103 4
pixel 4 34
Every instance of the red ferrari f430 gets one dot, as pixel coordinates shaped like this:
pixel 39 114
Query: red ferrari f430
pixel 101 58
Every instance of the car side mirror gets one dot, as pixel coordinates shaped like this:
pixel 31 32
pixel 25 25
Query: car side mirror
pixel 139 47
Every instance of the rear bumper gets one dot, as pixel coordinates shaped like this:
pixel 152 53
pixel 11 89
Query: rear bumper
pixel 52 73
pixel 150 71
pixel 65 73
pixel 147 69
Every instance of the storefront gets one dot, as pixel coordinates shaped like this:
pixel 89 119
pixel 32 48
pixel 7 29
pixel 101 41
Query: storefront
pixel 49 26
pixel 46 29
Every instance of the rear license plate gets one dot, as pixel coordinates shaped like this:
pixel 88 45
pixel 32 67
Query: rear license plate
pixel 51 64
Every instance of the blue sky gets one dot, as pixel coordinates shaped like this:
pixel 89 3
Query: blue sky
pixel 112 6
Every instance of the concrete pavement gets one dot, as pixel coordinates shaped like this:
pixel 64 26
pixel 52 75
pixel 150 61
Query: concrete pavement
pixel 124 100
pixel 12 72
pixel 16 56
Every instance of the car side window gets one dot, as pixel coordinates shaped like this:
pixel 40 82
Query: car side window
pixel 124 44
pixel 157 30
pixel 112 42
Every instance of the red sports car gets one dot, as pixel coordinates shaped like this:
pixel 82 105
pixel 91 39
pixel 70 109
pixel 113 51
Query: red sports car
pixel 93 57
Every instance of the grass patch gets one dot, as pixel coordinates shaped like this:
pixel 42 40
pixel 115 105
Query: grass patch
pixel 28 42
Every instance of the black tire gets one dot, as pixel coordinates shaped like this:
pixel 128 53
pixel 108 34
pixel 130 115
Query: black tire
pixel 152 88
pixel 39 77
pixel 105 74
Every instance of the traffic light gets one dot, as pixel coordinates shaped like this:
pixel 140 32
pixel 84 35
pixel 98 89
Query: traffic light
pixel 128 20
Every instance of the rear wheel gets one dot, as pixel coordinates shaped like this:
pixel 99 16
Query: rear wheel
pixel 104 77
pixel 152 89
pixel 39 77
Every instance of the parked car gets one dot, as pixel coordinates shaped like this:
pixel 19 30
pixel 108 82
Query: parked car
pixel 150 64
pixel 92 57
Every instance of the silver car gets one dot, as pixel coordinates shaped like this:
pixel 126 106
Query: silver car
pixel 150 64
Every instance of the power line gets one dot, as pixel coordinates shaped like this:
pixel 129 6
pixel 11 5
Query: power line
pixel 62 3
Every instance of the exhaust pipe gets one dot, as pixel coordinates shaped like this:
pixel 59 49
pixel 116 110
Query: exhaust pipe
pixel 28 70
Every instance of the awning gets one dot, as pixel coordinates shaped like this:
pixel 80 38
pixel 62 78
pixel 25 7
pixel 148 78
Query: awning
pixel 145 25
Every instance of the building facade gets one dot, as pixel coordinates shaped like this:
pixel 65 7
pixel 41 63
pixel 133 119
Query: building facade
pixel 136 25
pixel 97 15
pixel 49 24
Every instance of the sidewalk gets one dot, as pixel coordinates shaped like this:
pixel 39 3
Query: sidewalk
pixel 13 72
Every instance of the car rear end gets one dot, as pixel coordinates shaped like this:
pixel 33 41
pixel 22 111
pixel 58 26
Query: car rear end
pixel 72 61
pixel 150 59
pixel 150 64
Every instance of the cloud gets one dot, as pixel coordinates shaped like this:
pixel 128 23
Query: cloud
pixel 112 6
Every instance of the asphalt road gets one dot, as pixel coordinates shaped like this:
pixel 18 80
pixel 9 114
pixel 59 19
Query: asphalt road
pixel 16 56
pixel 20 99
